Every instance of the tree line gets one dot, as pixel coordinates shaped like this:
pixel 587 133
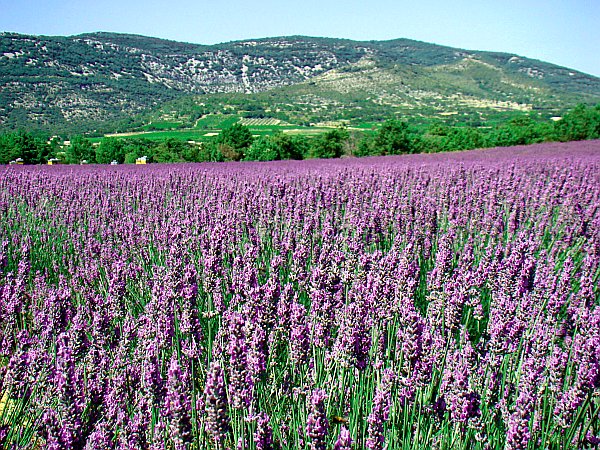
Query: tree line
pixel 236 142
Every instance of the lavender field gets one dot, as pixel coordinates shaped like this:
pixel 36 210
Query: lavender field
pixel 435 301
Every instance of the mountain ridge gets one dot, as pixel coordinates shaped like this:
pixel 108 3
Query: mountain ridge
pixel 109 34
pixel 91 79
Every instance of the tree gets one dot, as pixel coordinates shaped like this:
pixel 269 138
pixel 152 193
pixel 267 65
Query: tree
pixel 210 152
pixel 521 130
pixel 130 157
pixel 299 147
pixel 54 148
pixel 7 149
pixel 393 138
pixel 80 149
pixel 109 150
pixel 330 144
pixel 274 147
pixel 366 147
pixel 25 146
pixel 580 123
pixel 169 150
pixel 463 138
pixel 236 137
pixel 28 148
pixel 262 149
pixel 191 153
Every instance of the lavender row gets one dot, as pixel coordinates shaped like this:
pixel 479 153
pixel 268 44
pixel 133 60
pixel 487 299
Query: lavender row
pixel 434 301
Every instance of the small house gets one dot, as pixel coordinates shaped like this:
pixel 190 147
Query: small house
pixel 141 160
pixel 114 163
pixel 19 161
pixel 53 161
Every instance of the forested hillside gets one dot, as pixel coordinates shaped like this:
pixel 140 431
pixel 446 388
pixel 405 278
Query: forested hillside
pixel 103 81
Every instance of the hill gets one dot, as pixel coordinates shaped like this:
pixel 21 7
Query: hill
pixel 95 81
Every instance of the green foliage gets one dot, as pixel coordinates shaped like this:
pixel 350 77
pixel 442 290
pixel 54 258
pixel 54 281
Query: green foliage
pixel 110 150
pixel 330 144
pixel 366 147
pixel 263 149
pixel 130 158
pixel 191 153
pixel 276 147
pixel 170 150
pixel 393 138
pixel 297 147
pixel 521 131
pixel 8 152
pixel 236 137
pixel 463 138
pixel 211 152
pixel 236 142
pixel 580 123
pixel 80 149
pixel 25 146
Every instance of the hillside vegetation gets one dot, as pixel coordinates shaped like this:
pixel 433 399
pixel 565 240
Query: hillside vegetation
pixel 237 142
pixel 101 82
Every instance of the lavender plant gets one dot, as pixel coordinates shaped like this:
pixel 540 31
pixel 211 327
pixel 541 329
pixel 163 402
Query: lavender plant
pixel 427 301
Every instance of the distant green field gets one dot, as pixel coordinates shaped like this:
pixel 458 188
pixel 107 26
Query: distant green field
pixel 211 125
pixel 216 121
pixel 204 134
pixel 161 126
pixel 187 134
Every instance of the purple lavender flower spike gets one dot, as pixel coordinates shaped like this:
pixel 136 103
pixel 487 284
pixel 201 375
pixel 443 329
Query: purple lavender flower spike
pixel 240 380
pixel 178 405
pixel 344 440
pixel 263 436
pixel 380 412
pixel 317 425
pixel 299 335
pixel 217 416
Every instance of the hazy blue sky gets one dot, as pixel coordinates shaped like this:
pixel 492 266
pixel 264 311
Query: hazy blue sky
pixel 564 32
